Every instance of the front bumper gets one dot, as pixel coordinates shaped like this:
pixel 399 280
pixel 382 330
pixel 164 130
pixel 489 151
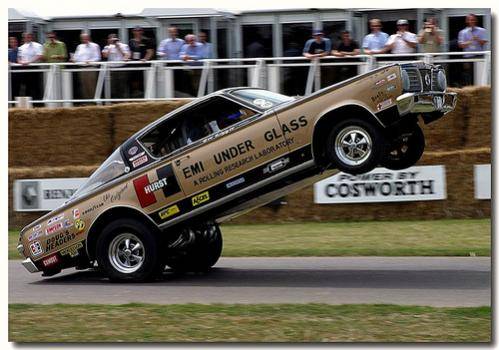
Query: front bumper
pixel 426 102
pixel 29 265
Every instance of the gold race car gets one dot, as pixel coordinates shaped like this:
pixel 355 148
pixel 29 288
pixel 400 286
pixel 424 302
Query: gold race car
pixel 158 199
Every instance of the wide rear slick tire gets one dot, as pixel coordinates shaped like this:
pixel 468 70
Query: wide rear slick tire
pixel 356 146
pixel 201 255
pixel 129 251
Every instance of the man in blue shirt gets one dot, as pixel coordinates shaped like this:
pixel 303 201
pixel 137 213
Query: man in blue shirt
pixel 472 38
pixel 374 43
pixel 169 49
pixel 207 47
pixel 192 52
pixel 318 46
pixel 13 49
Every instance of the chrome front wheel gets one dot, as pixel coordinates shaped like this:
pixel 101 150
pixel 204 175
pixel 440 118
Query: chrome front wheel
pixel 353 145
pixel 129 250
pixel 126 253
pixel 356 145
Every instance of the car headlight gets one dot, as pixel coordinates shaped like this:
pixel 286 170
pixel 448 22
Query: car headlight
pixel 441 80
pixel 406 83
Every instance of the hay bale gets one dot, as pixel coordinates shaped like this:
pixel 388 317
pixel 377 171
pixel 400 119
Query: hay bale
pixel 449 132
pixel 58 137
pixel 479 117
pixel 131 117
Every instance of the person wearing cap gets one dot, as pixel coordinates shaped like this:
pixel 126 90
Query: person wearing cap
pixel 403 41
pixel 374 42
pixel 318 46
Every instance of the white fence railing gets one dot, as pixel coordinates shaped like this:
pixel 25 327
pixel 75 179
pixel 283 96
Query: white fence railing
pixel 160 81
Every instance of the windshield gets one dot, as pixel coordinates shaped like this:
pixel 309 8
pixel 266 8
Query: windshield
pixel 262 99
pixel 112 168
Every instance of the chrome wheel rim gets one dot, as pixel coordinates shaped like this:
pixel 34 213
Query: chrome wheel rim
pixel 126 253
pixel 353 145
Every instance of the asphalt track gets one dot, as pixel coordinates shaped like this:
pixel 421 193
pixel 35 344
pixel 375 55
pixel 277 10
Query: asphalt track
pixel 434 281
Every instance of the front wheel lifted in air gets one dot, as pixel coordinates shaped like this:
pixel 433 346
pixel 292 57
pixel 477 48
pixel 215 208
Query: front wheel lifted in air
pixel 355 146
pixel 405 150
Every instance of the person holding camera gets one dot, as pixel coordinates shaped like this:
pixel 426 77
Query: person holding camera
pixel 403 41
pixel 117 51
pixel 430 38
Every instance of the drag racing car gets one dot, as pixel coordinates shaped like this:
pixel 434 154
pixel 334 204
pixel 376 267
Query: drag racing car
pixel 158 200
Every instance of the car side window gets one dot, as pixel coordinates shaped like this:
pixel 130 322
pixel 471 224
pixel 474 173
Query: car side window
pixel 194 124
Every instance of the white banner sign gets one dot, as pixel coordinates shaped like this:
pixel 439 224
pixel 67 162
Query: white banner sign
pixel 44 194
pixel 483 184
pixel 418 183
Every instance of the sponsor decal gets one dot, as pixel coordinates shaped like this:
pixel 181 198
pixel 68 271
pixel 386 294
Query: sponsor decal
pixel 235 182
pixel 54 228
pixel 136 156
pixel 37 227
pixel 34 235
pixel 390 88
pixel 76 213
pixel 380 82
pixel 145 189
pixel 391 77
pixel 50 261
pixel 200 198
pixel 67 223
pixel 36 248
pixel 92 208
pixel 59 239
pixel 72 251
pixel 384 104
pixel 145 199
pixel 139 161
pixel 170 211
pixel 276 165
pixel 55 219
pixel 156 185
pixel 133 150
pixel 79 225
pixel 418 183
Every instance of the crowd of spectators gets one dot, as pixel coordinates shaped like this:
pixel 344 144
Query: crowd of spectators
pixel 192 49
pixel 139 48
pixel 430 39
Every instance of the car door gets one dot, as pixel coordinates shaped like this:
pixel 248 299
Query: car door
pixel 232 158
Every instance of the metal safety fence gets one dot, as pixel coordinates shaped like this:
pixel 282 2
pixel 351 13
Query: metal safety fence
pixel 67 84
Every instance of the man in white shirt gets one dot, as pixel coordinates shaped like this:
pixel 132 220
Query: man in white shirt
pixel 30 52
pixel 117 51
pixel 403 41
pixel 86 53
